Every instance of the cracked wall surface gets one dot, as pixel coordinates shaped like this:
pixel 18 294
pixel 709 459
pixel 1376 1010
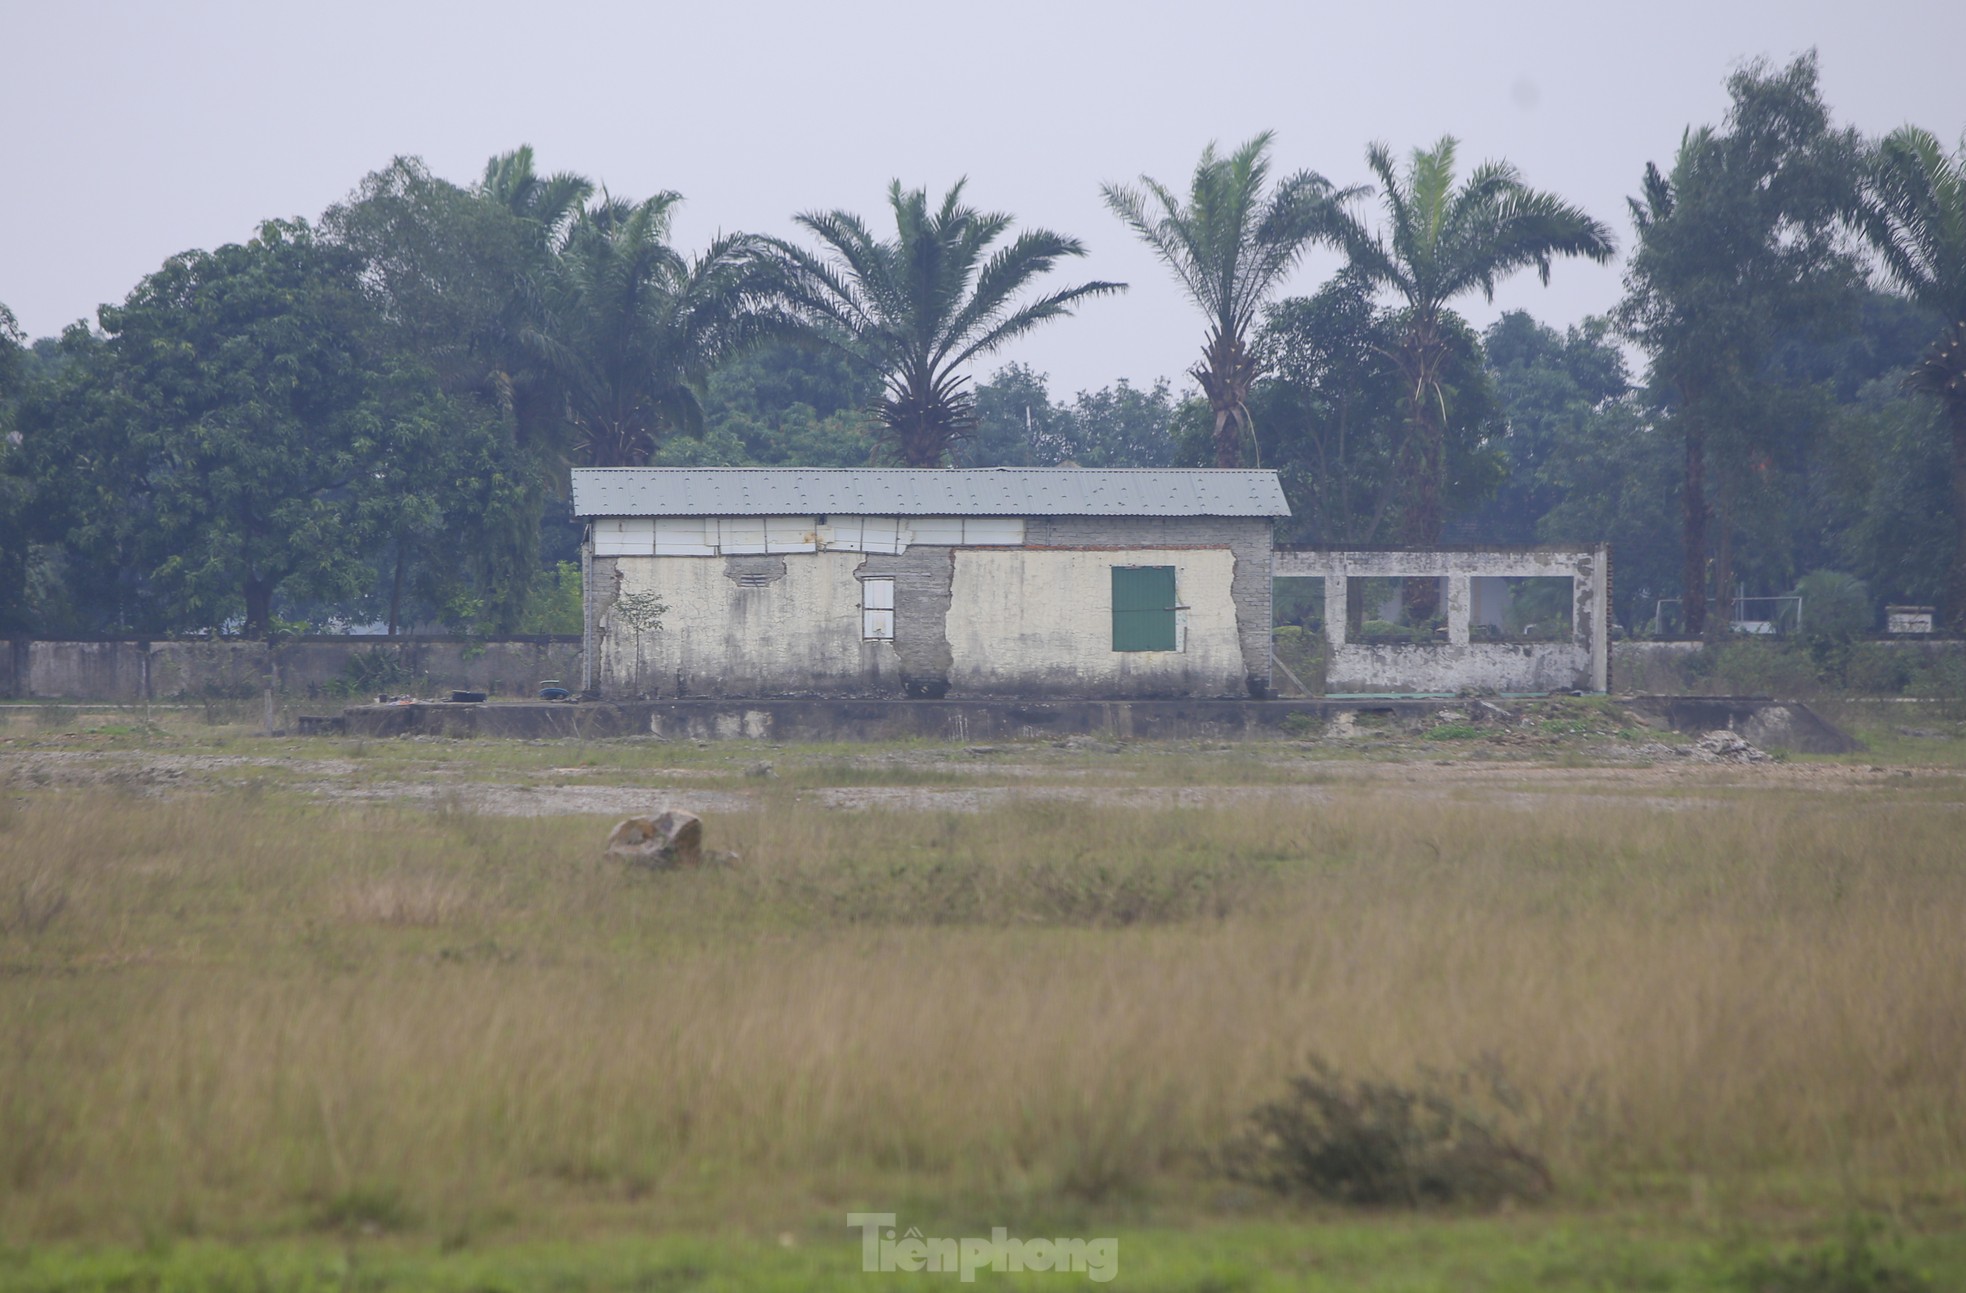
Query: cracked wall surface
pixel 999 620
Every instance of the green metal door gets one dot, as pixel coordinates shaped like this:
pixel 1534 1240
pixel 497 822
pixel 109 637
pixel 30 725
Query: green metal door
pixel 1143 608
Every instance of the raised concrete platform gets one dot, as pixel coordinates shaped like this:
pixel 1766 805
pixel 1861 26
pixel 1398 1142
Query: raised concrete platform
pixel 1784 724
pixel 857 720
pixel 1759 720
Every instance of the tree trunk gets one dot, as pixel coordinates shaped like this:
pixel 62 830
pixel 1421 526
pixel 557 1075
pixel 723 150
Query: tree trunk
pixel 1225 375
pixel 396 593
pixel 1228 439
pixel 1956 584
pixel 1720 615
pixel 259 607
pixel 1693 576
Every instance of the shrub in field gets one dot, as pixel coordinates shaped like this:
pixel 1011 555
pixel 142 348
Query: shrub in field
pixel 1835 606
pixel 1852 1264
pixel 1379 1144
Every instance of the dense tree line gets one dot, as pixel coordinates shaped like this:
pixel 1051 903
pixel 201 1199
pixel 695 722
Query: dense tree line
pixel 368 419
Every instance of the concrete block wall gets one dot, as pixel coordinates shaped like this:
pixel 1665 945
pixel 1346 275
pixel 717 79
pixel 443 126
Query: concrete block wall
pixel 131 672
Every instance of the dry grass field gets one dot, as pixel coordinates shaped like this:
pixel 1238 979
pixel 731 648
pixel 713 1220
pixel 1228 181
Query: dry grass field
pixel 244 1014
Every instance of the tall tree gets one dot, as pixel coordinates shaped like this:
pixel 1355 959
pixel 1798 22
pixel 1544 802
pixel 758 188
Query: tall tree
pixel 921 305
pixel 630 329
pixel 1916 217
pixel 451 269
pixel 1739 248
pixel 1231 244
pixel 549 204
pixel 1441 242
pixel 1551 385
pixel 13 488
pixel 212 439
pixel 1332 412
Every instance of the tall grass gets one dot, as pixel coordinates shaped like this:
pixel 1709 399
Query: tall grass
pixel 249 1013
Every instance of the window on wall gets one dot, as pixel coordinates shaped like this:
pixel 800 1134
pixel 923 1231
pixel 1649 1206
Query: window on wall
pixel 877 610
pixel 1144 609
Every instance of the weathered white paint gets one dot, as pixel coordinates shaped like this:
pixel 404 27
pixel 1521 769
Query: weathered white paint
pixel 1020 621
pixel 710 536
pixel 801 631
pixel 1042 620
pixel 1581 662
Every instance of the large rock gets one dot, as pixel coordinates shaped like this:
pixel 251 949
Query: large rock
pixel 670 840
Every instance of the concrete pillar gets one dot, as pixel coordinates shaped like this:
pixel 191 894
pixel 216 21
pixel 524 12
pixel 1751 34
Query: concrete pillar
pixel 1458 596
pixel 1335 612
pixel 1600 619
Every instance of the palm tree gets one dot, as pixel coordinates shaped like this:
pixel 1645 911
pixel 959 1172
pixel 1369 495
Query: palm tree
pixel 1440 243
pixel 919 306
pixel 550 203
pixel 1916 216
pixel 1230 245
pixel 629 330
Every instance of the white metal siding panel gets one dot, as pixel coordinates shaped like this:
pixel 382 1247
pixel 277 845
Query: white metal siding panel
pixel 994 531
pixel 740 535
pixel 684 536
pixel 881 534
pixel 624 536
pixel 791 534
pixel 936 530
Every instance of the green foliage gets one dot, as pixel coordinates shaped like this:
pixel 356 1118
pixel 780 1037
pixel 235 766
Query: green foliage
pixel 919 307
pixel 1231 243
pixel 15 495
pixel 1332 417
pixel 220 443
pixel 1741 245
pixel 1018 425
pixel 377 671
pixel 1835 606
pixel 1440 243
pixel 1380 1144
pixel 1915 215
pixel 629 330
pixel 1855 1262
pixel 555 604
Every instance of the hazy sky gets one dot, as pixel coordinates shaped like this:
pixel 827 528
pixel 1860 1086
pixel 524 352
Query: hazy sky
pixel 137 131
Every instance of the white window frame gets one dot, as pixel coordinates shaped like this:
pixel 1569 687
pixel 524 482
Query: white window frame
pixel 877 608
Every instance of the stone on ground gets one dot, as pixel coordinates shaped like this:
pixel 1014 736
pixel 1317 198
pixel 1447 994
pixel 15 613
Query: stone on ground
pixel 672 839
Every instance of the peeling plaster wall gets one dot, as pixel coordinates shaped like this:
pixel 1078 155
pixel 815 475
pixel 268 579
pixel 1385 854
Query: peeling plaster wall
pixel 1041 622
pixel 1248 538
pixel 792 627
pixel 1581 663
pixel 977 620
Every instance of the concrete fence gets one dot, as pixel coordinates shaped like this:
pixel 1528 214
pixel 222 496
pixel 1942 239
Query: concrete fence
pixel 123 672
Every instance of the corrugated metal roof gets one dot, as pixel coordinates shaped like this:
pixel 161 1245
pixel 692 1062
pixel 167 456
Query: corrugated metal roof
pixel 998 491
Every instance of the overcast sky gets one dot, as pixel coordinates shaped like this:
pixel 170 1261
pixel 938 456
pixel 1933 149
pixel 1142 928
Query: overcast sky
pixel 137 131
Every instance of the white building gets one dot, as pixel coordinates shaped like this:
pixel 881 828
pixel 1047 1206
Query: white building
pixel 1007 582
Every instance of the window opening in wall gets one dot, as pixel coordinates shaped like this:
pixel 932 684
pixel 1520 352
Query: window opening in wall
pixel 1396 610
pixel 877 610
pixel 1145 614
pixel 1297 632
pixel 1526 608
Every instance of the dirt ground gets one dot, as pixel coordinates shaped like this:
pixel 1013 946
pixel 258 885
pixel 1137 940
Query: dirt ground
pixel 1593 751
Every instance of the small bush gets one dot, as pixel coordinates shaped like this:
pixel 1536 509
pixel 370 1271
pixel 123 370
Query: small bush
pixel 1852 1264
pixel 1834 605
pixel 377 671
pixel 56 716
pixel 1377 1144
pixel 1453 732
pixel 1874 669
pixel 370 1209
